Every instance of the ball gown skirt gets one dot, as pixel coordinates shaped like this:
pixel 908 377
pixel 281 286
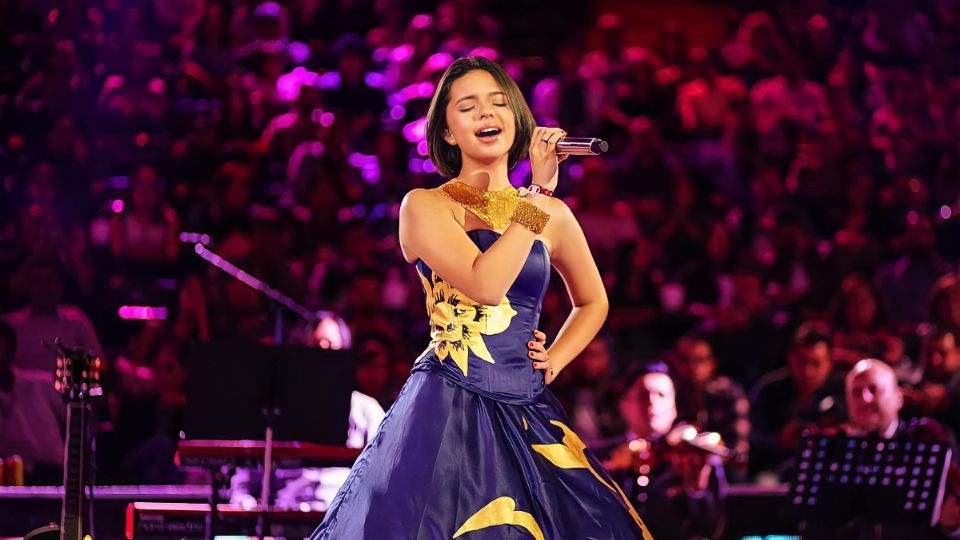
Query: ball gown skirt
pixel 475 447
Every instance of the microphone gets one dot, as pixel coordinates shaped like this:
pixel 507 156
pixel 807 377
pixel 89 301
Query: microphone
pixel 581 146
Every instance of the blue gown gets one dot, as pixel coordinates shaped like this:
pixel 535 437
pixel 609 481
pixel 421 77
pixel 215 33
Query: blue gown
pixel 475 446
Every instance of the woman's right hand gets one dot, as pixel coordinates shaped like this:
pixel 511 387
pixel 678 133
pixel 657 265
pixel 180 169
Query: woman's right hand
pixel 544 160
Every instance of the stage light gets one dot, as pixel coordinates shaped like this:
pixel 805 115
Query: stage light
pixel 194 238
pixel 142 313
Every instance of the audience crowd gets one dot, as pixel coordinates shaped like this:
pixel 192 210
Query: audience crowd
pixel 776 206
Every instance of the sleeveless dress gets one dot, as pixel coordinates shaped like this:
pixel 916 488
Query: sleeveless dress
pixel 475 446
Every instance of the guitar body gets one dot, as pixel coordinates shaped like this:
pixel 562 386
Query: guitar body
pixel 50 532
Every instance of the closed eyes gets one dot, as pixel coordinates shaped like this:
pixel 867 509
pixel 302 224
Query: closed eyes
pixel 472 107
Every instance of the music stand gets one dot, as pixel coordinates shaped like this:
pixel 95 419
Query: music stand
pixel 231 385
pixel 237 390
pixel 884 481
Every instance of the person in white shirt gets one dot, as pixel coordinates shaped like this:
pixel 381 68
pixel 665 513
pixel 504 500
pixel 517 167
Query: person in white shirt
pixel 45 319
pixel 34 416
pixel 315 486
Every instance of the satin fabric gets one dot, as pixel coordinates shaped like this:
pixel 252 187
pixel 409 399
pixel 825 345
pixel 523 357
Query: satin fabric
pixel 485 454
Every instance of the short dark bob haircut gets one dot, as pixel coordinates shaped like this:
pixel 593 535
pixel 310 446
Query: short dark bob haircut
pixel 447 157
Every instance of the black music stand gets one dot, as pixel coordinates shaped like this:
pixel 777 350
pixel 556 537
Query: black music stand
pixel 882 481
pixel 237 390
pixel 232 385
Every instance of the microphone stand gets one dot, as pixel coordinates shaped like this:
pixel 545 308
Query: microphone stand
pixel 278 302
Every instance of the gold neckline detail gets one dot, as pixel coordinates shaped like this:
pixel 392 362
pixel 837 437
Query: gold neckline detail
pixel 493 207
pixel 461 183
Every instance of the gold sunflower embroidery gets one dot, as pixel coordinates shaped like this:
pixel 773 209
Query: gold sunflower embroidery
pixel 457 323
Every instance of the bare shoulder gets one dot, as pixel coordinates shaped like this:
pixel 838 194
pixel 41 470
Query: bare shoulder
pixel 423 199
pixel 561 217
pixel 421 211
pixel 418 198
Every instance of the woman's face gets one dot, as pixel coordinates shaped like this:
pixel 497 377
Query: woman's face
pixel 480 121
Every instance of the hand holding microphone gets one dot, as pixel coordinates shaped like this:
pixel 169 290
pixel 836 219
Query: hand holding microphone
pixel 550 146
pixel 544 158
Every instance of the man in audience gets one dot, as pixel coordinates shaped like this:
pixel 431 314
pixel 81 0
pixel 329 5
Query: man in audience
pixel 712 401
pixel 875 404
pixel 874 400
pixel 938 393
pixel 787 401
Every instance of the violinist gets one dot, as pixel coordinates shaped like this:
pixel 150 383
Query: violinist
pixel 672 474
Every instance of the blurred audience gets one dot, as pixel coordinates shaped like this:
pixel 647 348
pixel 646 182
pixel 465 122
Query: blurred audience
pixel 798 162
pixel 588 391
pixel 938 393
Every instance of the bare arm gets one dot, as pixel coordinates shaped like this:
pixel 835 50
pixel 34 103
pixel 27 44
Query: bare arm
pixel 572 259
pixel 429 231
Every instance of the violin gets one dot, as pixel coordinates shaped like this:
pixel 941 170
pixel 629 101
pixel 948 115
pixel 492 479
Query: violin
pixel 690 452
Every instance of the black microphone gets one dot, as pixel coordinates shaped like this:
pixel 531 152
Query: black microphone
pixel 581 146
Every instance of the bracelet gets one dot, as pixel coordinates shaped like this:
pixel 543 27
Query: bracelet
pixel 530 217
pixel 535 188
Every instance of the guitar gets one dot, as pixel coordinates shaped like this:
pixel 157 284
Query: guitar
pixel 78 379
